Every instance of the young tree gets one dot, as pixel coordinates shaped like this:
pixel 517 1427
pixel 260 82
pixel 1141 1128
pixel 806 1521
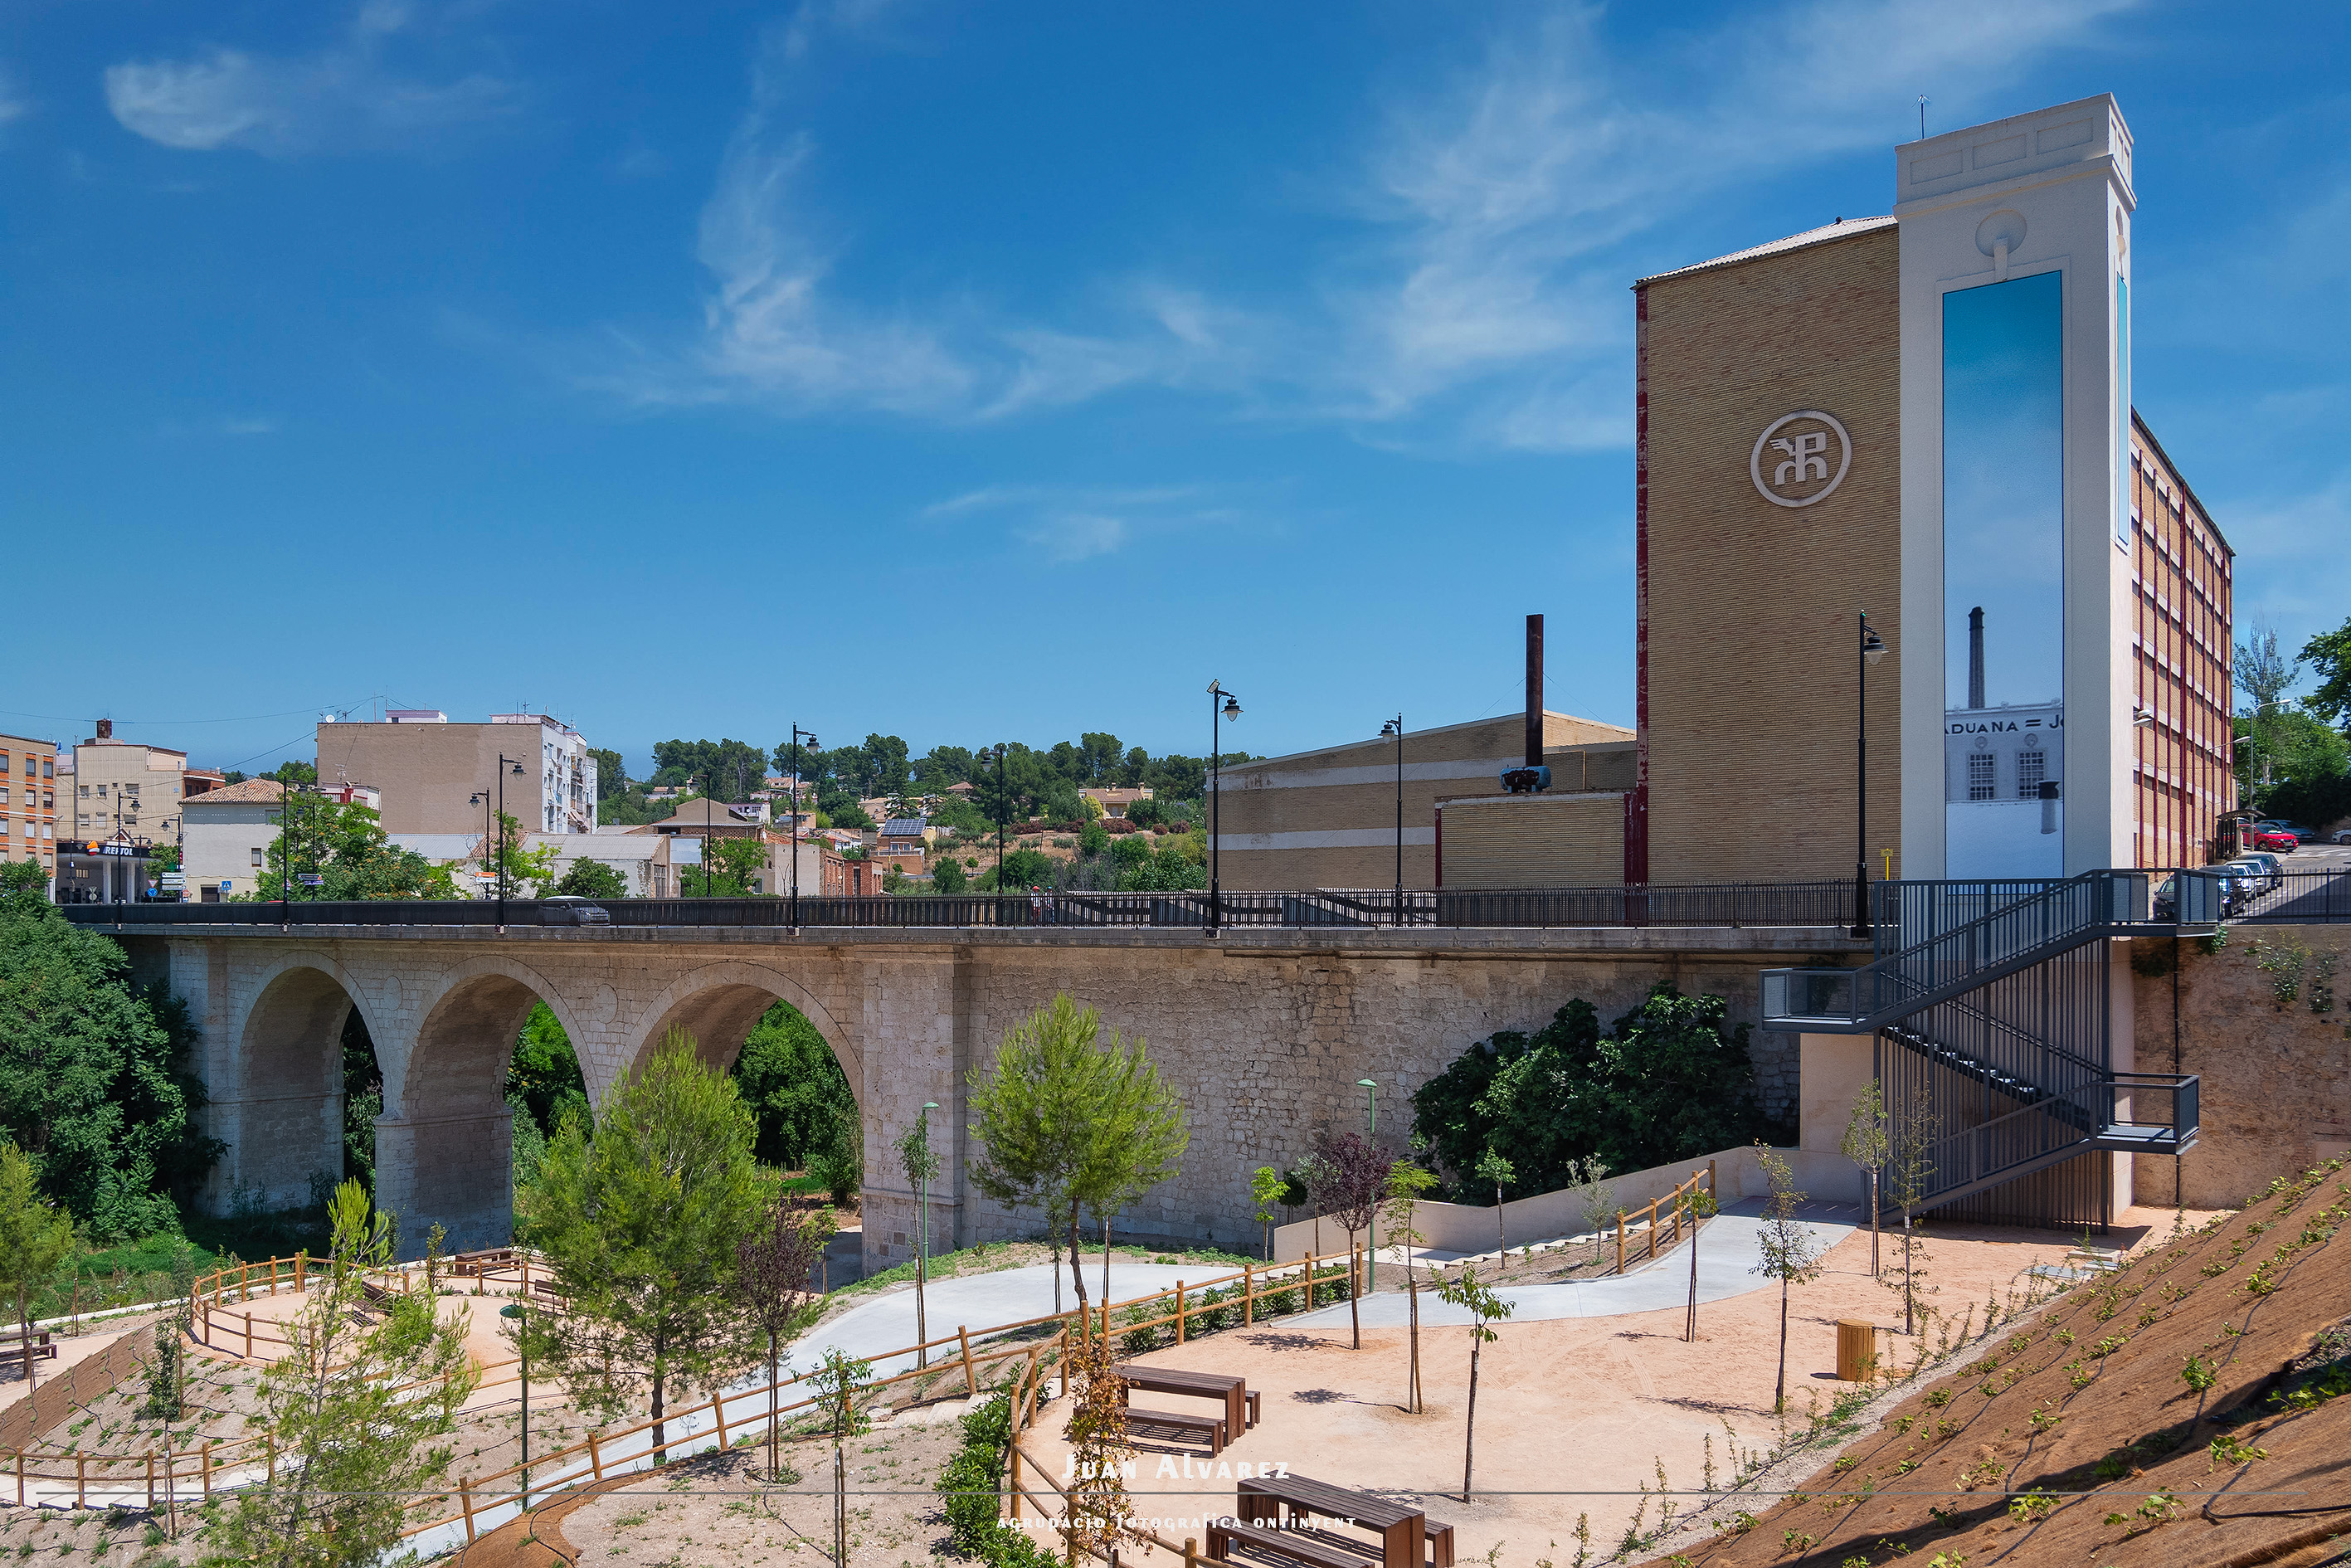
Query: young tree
pixel 1791 1252
pixel 947 877
pixel 1356 1178
pixel 1695 1207
pixel 839 1386
pixel 1067 1119
pixel 352 1410
pixel 1595 1200
pixel 1307 1183
pixel 1267 1186
pixel 1492 1167
pixel 1407 1185
pixel 1910 1166
pixel 641 1229
pixel 1466 1291
pixel 1866 1145
pixel 772 1270
pixel 36 1239
pixel 921 1163
pixel 1099 1512
pixel 1140 1132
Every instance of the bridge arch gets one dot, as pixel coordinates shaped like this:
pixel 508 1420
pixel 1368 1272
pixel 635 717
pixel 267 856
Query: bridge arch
pixel 444 1144
pixel 717 1004
pixel 281 1113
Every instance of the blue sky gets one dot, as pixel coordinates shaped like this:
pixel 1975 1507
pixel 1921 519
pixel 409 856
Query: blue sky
pixel 980 374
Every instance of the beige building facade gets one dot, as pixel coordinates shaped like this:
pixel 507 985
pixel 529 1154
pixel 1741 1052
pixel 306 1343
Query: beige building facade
pixel 1750 687
pixel 122 787
pixel 431 770
pixel 1328 818
pixel 1748 609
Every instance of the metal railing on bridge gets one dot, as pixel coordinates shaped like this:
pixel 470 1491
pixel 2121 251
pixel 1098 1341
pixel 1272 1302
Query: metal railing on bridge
pixel 1735 905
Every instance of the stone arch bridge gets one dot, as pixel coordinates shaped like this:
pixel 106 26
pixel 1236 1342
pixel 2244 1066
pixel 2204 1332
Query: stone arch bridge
pixel 1266 1031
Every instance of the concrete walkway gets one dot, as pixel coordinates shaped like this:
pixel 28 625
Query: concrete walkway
pixel 1728 1250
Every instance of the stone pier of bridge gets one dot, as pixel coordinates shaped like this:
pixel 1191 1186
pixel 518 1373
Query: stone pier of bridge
pixel 1267 1034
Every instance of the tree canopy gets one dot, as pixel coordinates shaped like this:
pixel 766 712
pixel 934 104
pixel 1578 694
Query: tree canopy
pixel 795 1087
pixel 642 1230
pixel 93 1083
pixel 1668 1081
pixel 1067 1119
pixel 345 845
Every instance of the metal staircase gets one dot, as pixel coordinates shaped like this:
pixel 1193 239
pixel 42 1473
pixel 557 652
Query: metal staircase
pixel 2019 1074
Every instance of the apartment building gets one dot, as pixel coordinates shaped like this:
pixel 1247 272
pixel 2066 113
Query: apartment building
pixel 29 786
pixel 123 790
pixel 433 773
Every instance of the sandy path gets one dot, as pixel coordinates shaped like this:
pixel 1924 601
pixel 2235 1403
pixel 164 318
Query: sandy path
pixel 1574 1414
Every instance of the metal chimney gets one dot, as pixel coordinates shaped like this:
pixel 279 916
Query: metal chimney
pixel 1534 692
pixel 1533 776
pixel 1975 657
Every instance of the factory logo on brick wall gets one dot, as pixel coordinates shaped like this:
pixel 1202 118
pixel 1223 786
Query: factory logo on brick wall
pixel 1800 458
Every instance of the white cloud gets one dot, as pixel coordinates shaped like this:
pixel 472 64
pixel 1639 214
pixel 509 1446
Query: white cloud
pixel 345 97
pixel 1071 523
pixel 1496 218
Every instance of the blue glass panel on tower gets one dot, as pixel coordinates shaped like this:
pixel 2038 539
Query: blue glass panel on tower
pixel 2003 578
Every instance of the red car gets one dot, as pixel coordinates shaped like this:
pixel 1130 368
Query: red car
pixel 2283 844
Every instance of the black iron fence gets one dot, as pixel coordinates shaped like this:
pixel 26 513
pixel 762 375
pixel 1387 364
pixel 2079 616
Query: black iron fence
pixel 1719 905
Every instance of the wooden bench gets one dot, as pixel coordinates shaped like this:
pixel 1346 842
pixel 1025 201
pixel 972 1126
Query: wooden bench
pixel 377 1295
pixel 12 1349
pixel 1298 1547
pixel 549 1288
pixel 1210 1428
pixel 1440 1542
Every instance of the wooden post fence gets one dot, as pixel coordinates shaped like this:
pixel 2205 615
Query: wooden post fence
pixel 1179 1311
pixel 466 1501
pixel 970 1378
pixel 1248 1294
pixel 595 1460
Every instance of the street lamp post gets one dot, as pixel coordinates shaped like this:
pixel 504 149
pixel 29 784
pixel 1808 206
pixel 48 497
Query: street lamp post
pixel 799 734
pixel 1231 708
pixel 1371 1135
pixel 1869 650
pixel 493 834
pixel 997 754
pixel 1395 726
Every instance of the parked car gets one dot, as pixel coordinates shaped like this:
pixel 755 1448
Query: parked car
pixel 2302 835
pixel 2343 835
pixel 570 909
pixel 2279 838
pixel 2267 870
pixel 2236 892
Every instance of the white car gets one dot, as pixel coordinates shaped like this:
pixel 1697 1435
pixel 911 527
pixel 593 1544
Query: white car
pixel 2343 835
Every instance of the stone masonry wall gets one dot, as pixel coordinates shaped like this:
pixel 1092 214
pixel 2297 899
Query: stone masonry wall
pixel 1267 1039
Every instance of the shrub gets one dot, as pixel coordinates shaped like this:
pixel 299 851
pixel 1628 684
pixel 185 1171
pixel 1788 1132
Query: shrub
pixel 970 1485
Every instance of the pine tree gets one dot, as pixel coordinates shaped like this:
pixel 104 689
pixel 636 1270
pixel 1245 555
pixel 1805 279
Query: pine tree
pixel 352 1411
pixel 641 1230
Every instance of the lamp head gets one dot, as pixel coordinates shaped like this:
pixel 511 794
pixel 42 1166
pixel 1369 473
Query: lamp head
pixel 1387 729
pixel 2141 717
pixel 518 769
pixel 1365 1083
pixel 1873 646
pixel 1232 707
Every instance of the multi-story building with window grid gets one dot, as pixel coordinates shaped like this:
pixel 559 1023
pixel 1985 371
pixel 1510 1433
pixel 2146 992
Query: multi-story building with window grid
pixel 28 793
pixel 2180 579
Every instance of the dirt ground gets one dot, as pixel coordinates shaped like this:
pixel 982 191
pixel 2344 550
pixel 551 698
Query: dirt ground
pixel 720 1512
pixel 1577 1419
pixel 2187 1411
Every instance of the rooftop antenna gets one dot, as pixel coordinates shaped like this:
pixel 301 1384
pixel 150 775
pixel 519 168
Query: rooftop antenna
pixel 1922 117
